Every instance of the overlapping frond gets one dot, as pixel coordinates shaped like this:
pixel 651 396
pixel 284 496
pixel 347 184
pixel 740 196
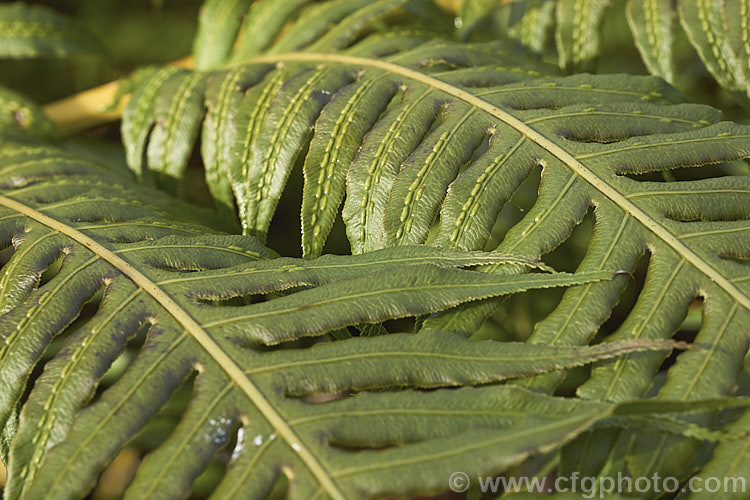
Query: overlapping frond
pixel 718 30
pixel 34 31
pixel 208 309
pixel 38 31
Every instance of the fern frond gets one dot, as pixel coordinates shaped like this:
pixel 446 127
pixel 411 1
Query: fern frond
pixel 457 142
pixel 653 25
pixel 18 111
pixel 79 231
pixel 37 31
pixel 717 31
pixel 577 32
pixel 425 141
pixel 730 462
pixel 249 29
pixel 575 26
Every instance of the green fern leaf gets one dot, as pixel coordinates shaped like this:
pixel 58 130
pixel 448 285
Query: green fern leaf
pixel 37 31
pixel 591 134
pixel 652 24
pixel 735 17
pixel 16 110
pixel 262 26
pixel 426 140
pixel 577 32
pixel 717 31
pixel 168 148
pixel 706 26
pixel 576 26
pixel 139 115
pixel 213 45
pixel 181 284
pixel 730 464
pixel 530 23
